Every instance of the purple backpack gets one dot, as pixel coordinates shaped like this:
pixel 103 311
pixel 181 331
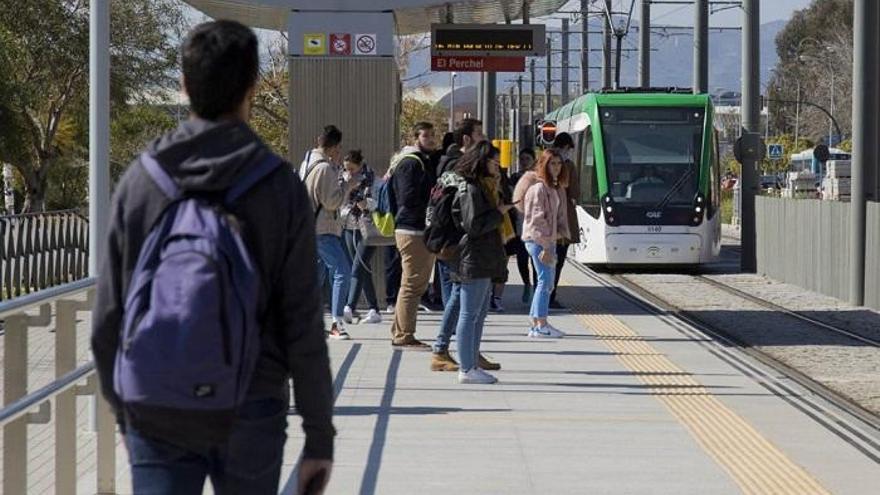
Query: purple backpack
pixel 190 337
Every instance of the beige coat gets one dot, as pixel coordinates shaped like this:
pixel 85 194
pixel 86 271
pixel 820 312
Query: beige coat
pixel 327 192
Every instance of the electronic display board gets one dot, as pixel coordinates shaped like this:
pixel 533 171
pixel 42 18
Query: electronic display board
pixel 488 40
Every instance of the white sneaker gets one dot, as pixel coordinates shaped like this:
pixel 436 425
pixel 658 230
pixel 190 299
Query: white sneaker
pixel 476 376
pixel 487 375
pixel 373 317
pixel 557 332
pixel 390 309
pixel 546 332
pixel 348 315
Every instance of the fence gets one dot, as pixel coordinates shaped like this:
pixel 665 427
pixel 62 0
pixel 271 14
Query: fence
pixel 57 417
pixel 42 250
pixel 806 242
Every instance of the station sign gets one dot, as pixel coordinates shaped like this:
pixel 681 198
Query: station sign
pixel 477 64
pixel 488 40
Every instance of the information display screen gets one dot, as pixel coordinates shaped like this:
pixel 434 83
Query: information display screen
pixel 488 40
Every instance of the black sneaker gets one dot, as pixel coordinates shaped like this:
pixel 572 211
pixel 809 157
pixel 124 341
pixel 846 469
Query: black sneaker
pixel 495 305
pixel 556 306
pixel 337 332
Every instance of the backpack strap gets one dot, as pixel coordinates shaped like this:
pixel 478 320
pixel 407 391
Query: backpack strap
pixel 254 175
pixel 160 176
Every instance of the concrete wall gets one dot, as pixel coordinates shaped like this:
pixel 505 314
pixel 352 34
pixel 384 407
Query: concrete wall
pixel 358 95
pixel 872 255
pixel 805 242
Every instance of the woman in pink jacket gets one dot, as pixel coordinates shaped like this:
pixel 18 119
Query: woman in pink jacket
pixel 544 223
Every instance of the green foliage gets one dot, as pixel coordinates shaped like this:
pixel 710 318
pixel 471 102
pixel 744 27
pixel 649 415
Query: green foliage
pixel 414 110
pixel 132 128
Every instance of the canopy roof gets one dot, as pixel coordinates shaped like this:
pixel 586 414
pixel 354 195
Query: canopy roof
pixel 412 16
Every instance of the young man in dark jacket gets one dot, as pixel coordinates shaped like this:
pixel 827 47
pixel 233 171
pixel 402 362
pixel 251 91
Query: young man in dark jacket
pixel 205 156
pixel 411 180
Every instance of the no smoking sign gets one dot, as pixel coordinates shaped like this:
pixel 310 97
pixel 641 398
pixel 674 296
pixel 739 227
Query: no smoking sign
pixel 340 44
pixel 365 44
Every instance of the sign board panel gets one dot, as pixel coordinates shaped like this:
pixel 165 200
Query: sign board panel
pixel 478 64
pixel 365 44
pixel 775 151
pixel 314 44
pixel 340 44
pixel 488 40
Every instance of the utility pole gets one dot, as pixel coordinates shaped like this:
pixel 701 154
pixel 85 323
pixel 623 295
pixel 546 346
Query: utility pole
pixel 645 45
pixel 701 46
pixel 452 76
pixel 565 62
pixel 751 119
pixel 606 46
pixel 519 106
pixel 548 87
pixel 585 46
pixel 532 96
pixel 490 91
pixel 865 103
pixel 512 115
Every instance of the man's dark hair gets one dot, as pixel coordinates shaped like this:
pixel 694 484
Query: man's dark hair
pixel 464 128
pixel 563 140
pixel 528 151
pixel 330 137
pixel 221 63
pixel 475 163
pixel 354 156
pixel 448 140
pixel 421 126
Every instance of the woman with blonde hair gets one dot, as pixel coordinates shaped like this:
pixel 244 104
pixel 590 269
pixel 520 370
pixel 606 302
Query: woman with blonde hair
pixel 545 222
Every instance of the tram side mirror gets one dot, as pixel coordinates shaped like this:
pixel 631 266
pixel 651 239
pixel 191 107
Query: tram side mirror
pixel 547 133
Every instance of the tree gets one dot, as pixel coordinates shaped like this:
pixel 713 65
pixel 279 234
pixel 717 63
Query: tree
pixel 45 43
pixel 270 119
pixel 814 47
pixel 413 111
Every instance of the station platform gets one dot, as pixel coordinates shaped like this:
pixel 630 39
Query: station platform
pixel 626 403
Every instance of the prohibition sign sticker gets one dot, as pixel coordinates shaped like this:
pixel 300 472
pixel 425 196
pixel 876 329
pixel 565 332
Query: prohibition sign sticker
pixel 365 44
pixel 340 44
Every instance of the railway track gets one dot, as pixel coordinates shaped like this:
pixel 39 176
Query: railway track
pixel 851 426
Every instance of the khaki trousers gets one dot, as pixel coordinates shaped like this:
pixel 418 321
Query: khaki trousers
pixel 417 263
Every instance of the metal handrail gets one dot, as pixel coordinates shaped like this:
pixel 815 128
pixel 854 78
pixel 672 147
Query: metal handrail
pixel 23 303
pixel 21 407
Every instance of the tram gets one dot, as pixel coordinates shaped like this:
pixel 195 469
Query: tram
pixel 649 176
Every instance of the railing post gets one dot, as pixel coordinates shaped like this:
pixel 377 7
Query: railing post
pixel 65 402
pixel 15 351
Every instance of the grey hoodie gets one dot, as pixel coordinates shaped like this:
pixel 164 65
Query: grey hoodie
pixel 206 158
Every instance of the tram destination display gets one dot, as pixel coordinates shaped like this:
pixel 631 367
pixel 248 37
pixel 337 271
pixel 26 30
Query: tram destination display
pixel 488 40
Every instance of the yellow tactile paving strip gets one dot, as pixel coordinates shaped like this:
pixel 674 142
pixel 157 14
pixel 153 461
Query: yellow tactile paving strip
pixel 757 466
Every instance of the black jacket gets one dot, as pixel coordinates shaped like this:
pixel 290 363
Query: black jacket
pixel 412 181
pixel 278 227
pixel 481 253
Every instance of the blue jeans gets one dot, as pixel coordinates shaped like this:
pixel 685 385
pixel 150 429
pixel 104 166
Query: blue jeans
pixel 451 305
pixel 336 261
pixel 249 463
pixel 475 295
pixel 361 257
pixel 543 283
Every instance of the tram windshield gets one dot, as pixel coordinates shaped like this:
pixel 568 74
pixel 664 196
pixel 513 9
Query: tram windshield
pixel 652 154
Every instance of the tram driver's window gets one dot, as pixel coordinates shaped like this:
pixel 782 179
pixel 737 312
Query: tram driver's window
pixel 589 193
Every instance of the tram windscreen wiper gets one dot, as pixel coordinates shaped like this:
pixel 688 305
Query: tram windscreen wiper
pixel 675 187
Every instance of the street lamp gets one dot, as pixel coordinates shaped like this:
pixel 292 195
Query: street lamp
pixel 452 76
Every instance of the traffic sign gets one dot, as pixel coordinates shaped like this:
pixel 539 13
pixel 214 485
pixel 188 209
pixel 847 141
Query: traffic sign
pixel 314 44
pixel 365 44
pixel 340 44
pixel 478 64
pixel 775 151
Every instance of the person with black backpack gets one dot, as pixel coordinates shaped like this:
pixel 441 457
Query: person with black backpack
pixel 203 310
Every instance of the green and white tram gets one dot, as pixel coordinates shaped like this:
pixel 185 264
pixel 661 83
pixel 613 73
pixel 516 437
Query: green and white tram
pixel 649 177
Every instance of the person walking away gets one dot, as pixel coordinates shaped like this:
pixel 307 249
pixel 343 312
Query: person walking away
pixel 328 188
pixel 468 134
pixel 483 220
pixel 189 229
pixel 544 224
pixel 526 164
pixel 411 182
pixel 354 214
pixel 571 188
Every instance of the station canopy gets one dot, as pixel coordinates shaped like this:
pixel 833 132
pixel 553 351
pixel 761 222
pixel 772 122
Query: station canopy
pixel 411 16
